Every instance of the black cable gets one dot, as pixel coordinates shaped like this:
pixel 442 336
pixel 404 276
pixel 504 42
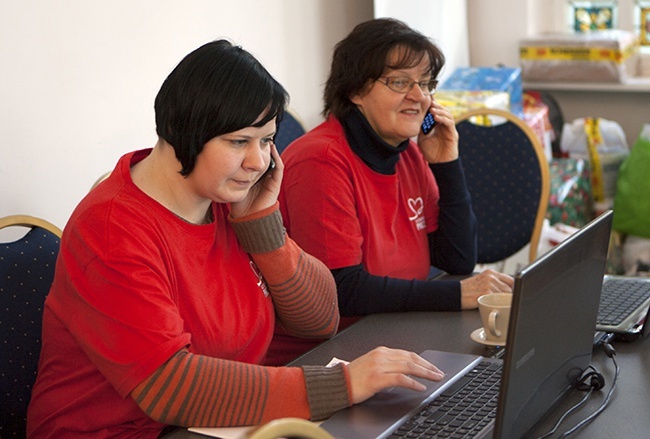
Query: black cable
pixel 611 353
pixel 563 417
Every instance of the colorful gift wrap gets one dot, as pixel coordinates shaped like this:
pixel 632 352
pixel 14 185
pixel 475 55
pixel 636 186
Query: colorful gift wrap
pixel 598 56
pixel 462 101
pixel 570 201
pixel 496 79
pixel 536 116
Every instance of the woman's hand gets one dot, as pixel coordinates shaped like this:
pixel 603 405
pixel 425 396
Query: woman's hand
pixel 383 368
pixel 264 193
pixel 489 281
pixel 440 145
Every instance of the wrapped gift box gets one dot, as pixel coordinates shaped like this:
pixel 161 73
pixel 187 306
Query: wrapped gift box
pixel 570 200
pixel 461 101
pixel 488 79
pixel 536 116
pixel 602 142
pixel 597 56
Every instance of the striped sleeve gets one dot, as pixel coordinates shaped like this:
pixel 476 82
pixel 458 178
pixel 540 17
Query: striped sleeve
pixel 194 390
pixel 302 287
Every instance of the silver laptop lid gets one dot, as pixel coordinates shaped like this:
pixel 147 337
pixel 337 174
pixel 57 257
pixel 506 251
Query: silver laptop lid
pixel 550 337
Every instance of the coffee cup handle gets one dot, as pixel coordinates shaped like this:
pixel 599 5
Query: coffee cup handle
pixel 492 323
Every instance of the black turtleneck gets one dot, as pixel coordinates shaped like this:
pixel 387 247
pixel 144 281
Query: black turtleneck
pixel 452 247
pixel 372 149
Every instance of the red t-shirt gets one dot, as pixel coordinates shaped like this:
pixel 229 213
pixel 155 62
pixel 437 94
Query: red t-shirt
pixel 362 217
pixel 133 285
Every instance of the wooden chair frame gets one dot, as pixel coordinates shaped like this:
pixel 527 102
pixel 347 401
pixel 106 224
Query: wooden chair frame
pixel 542 159
pixel 29 221
pixel 289 427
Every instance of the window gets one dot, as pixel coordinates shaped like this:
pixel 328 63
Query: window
pixel 585 16
pixel 642 23
pixel 631 15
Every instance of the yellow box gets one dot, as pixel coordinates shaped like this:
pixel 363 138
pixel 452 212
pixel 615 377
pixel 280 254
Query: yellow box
pixel 597 56
pixel 461 101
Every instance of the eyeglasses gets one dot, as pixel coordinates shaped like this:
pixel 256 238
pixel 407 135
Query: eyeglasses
pixel 403 84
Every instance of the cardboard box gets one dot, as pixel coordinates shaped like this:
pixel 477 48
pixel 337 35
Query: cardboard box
pixel 459 102
pixel 597 56
pixel 488 79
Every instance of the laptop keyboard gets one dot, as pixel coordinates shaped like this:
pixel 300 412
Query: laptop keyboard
pixel 462 410
pixel 619 298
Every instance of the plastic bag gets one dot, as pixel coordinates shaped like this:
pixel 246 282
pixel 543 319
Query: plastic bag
pixel 602 142
pixel 632 200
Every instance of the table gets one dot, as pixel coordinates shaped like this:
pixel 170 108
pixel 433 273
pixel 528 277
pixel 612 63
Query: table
pixel 625 416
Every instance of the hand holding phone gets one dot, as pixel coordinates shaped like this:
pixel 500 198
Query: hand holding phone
pixel 428 123
pixel 268 170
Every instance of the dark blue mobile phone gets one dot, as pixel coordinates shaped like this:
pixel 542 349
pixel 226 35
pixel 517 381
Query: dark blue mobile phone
pixel 428 123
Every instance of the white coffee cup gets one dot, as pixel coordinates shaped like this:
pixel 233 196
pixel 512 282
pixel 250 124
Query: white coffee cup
pixel 495 315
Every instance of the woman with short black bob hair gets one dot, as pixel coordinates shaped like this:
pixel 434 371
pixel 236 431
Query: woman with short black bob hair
pixel 173 271
pixel 219 88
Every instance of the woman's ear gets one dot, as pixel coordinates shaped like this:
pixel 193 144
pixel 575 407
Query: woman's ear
pixel 357 98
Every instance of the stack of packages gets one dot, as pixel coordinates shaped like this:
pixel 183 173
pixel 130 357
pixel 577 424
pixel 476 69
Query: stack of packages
pixel 598 148
pixel 599 56
pixel 603 145
pixel 469 88
pixel 584 177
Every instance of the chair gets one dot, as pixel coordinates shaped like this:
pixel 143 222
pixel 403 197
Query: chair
pixel 289 428
pixel 26 273
pixel 289 129
pixel 101 178
pixel 508 178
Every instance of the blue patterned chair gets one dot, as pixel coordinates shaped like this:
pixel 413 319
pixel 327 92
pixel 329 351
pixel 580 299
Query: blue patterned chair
pixel 507 174
pixel 26 273
pixel 290 128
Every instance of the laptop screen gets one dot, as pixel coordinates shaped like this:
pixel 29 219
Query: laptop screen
pixel 556 297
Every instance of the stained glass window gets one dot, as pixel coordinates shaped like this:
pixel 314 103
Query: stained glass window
pixel 642 22
pixel 586 16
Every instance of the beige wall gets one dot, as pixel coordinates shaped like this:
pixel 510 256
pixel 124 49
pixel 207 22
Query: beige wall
pixel 79 78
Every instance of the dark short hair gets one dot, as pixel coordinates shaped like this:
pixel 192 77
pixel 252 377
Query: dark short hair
pixel 363 55
pixel 216 89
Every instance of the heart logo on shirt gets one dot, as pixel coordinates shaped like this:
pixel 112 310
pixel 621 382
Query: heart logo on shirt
pixel 260 278
pixel 416 206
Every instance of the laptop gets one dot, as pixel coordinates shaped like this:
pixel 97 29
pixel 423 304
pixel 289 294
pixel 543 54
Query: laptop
pixel 552 297
pixel 624 306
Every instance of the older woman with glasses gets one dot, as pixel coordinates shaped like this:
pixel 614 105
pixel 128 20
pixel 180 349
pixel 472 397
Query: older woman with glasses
pixel 379 208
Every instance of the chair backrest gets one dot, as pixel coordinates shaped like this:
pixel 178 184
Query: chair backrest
pixel 507 175
pixel 101 178
pixel 290 128
pixel 26 273
pixel 289 428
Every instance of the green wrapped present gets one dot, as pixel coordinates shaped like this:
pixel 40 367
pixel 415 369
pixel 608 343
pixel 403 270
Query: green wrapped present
pixel 571 200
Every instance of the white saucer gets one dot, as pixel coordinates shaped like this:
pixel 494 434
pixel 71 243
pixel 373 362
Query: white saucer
pixel 479 336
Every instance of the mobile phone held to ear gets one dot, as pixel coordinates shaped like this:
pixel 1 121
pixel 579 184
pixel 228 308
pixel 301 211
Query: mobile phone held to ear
pixel 428 123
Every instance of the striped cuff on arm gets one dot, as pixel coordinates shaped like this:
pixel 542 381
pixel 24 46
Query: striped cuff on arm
pixel 262 232
pixel 327 390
